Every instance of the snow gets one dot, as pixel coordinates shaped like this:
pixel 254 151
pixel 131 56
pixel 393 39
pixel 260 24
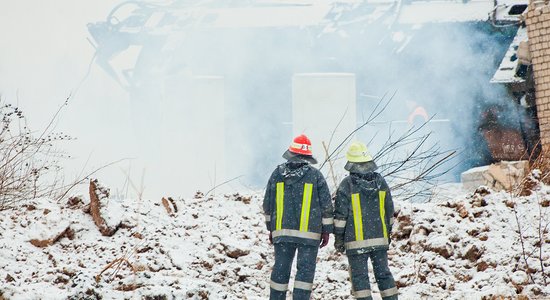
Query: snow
pixel 507 70
pixel 217 248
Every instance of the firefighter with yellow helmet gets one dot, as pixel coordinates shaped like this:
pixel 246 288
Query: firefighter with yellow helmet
pixel 363 219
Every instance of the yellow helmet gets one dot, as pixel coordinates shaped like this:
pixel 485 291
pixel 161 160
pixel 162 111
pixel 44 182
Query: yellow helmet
pixel 358 153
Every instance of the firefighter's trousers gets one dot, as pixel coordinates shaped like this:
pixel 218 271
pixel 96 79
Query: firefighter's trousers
pixel 305 271
pixel 360 276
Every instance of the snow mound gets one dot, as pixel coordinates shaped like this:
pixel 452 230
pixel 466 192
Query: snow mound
pixel 467 247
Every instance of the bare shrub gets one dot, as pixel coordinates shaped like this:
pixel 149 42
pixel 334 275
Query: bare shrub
pixel 411 164
pixel 29 160
pixel 539 171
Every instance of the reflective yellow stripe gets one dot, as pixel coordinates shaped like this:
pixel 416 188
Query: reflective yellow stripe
pixel 280 204
pixel 306 204
pixel 382 197
pixel 357 217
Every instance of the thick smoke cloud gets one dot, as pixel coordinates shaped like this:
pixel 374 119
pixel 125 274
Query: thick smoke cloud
pixel 444 67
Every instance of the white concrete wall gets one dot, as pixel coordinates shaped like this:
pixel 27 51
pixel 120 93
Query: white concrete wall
pixel 319 102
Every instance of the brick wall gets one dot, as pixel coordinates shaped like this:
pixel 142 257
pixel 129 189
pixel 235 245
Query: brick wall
pixel 538 30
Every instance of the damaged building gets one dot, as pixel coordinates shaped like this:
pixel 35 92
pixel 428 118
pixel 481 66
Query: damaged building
pixel 256 63
pixel 525 71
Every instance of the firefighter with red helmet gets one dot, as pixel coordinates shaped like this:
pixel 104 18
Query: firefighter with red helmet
pixel 298 211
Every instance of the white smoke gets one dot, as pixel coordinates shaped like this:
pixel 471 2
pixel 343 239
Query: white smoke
pixel 444 67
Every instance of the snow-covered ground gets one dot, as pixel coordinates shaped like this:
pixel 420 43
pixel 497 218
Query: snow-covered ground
pixel 463 247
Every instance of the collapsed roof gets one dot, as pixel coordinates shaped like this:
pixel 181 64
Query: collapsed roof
pixel 131 24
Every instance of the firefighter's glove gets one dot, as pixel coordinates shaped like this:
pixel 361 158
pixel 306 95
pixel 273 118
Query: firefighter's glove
pixel 339 243
pixel 324 239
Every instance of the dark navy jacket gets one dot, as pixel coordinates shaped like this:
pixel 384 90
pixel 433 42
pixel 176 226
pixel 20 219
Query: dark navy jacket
pixel 363 213
pixel 297 204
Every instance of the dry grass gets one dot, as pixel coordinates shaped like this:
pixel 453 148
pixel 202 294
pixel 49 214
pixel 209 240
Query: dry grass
pixel 542 163
pixel 28 159
pixel 116 265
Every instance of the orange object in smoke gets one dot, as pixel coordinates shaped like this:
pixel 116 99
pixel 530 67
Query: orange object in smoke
pixel 301 145
pixel 419 111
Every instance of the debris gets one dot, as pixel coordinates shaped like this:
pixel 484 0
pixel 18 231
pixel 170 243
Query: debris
pixel 529 184
pixel 500 176
pixel 170 206
pixel 144 249
pixel 75 201
pixel 95 193
pixel 482 191
pixel 173 204
pixel 504 144
pixel 68 233
pixel 129 287
pixel 461 209
pixel 137 235
pixel 167 206
pixel 482 266
pixel 473 253
pixel 444 250
pixel 236 252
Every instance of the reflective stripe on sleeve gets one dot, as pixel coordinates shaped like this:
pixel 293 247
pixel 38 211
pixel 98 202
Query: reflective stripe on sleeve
pixel 357 216
pixel 306 205
pixel 328 221
pixel 278 286
pixel 296 233
pixel 362 294
pixel 267 217
pixel 280 198
pixel 303 285
pixel 340 223
pixel 382 198
pixel 367 243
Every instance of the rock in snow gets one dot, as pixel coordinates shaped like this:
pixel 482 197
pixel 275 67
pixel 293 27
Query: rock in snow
pixel 467 247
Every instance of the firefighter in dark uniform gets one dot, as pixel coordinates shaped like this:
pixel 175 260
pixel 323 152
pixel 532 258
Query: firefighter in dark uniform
pixel 363 218
pixel 298 211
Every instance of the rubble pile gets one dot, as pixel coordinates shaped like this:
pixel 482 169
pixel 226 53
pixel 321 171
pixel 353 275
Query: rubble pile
pixel 470 248
pixel 467 247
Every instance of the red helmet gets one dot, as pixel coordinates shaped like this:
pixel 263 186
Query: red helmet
pixel 301 145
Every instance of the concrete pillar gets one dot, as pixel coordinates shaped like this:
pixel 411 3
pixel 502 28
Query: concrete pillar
pixel 319 102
